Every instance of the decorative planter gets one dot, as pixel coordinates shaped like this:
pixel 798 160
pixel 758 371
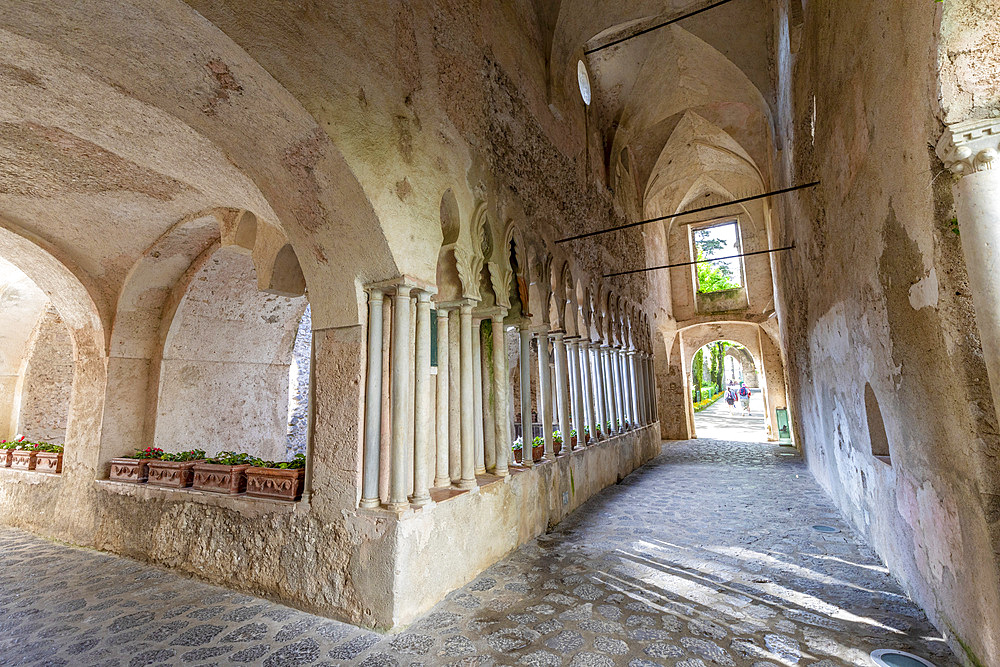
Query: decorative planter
pixel 556 447
pixel 49 462
pixel 130 470
pixel 176 474
pixel 219 478
pixel 586 438
pixel 23 459
pixel 5 455
pixel 517 456
pixel 275 483
pixel 572 442
pixel 537 452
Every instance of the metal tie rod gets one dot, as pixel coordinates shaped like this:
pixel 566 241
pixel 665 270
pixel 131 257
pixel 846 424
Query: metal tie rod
pixel 655 27
pixel 697 261
pixel 694 210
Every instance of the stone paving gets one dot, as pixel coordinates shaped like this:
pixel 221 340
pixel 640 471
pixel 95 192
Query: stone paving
pixel 705 556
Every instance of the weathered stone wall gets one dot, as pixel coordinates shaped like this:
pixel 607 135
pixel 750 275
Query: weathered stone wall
pixel 875 292
pixel 47 381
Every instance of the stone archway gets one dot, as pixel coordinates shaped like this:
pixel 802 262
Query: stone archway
pixel 747 365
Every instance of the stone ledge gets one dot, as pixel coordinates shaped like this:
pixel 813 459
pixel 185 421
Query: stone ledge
pixel 29 476
pixel 242 503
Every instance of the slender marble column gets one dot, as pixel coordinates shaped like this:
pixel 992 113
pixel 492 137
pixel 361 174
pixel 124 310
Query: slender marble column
pixel 441 477
pixel 477 396
pixel 373 402
pixel 422 400
pixel 629 387
pixel 573 358
pixel 609 389
pixel 562 385
pixel 385 456
pixel 501 397
pixel 640 389
pixel 545 393
pixel 455 399
pixel 587 377
pixel 648 366
pixel 489 403
pixel 400 393
pixel 524 368
pixel 411 413
pixel 468 480
pixel 595 362
pixel 620 387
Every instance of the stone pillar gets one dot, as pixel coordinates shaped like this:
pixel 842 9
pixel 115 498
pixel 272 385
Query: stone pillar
pixel 969 149
pixel 621 386
pixel 577 411
pixel 524 371
pixel 441 477
pixel 632 393
pixel 373 402
pixel 489 402
pixel 477 397
pixel 587 381
pixel 467 406
pixel 545 393
pixel 385 456
pixel 400 393
pixel 501 395
pixel 422 400
pixel 562 385
pixel 640 403
pixel 455 398
pixel 609 388
pixel 601 414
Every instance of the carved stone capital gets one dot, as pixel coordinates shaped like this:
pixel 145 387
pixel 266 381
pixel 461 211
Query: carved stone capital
pixel 970 146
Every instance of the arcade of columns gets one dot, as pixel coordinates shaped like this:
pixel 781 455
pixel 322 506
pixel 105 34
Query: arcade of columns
pixel 422 432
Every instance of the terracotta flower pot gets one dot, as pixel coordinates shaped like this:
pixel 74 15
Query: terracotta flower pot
pixel 572 442
pixel 23 459
pixel 130 470
pixel 556 447
pixel 537 452
pixel 49 462
pixel 275 483
pixel 219 478
pixel 517 455
pixel 176 474
pixel 586 438
pixel 5 457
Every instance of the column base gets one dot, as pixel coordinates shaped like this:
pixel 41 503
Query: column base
pixel 370 503
pixel 481 471
pixel 442 481
pixel 467 484
pixel 420 501
pixel 502 472
pixel 397 507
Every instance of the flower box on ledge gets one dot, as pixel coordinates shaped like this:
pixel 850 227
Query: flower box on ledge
pixel 23 459
pixel 50 462
pixel 220 478
pixel 175 474
pixel 130 470
pixel 283 484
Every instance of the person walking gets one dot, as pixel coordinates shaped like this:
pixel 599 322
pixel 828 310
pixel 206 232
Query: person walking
pixel 731 396
pixel 744 395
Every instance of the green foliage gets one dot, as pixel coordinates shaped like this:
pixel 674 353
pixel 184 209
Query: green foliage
pixel 148 453
pixel 298 461
pixel 539 441
pixel 47 447
pixel 231 459
pixel 712 277
pixel 557 437
pixel 190 455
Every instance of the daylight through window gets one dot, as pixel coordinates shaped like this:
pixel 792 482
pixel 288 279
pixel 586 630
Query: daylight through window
pixel 718 241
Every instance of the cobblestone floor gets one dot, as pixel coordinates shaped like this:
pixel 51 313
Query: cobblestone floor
pixel 705 556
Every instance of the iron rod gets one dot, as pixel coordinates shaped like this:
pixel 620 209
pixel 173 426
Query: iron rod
pixel 697 261
pixel 655 27
pixel 694 210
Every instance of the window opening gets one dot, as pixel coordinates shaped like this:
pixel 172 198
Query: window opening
pixel 721 240
pixel 876 426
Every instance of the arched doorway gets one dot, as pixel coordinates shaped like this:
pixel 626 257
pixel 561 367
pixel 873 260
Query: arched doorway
pixel 725 406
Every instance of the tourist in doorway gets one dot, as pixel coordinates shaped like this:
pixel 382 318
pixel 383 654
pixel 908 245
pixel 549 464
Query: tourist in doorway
pixel 744 394
pixel 731 396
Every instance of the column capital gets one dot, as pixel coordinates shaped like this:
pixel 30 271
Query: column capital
pixel 375 294
pixel 398 282
pixel 559 334
pixel 458 303
pixel 970 146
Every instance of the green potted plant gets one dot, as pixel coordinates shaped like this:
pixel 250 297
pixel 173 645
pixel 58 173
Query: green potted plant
pixel 134 467
pixel 6 450
pixel 557 442
pixel 537 449
pixel 572 438
pixel 225 473
pixel 48 457
pixel 586 435
pixel 517 447
pixel 174 470
pixel 267 479
pixel 24 455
